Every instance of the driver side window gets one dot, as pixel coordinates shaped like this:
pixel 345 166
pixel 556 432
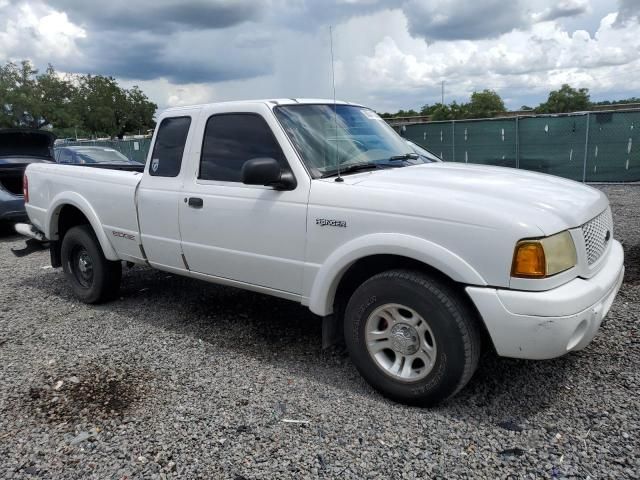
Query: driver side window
pixel 230 139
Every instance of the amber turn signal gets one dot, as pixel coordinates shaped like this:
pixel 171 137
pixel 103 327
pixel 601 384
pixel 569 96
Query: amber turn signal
pixel 529 260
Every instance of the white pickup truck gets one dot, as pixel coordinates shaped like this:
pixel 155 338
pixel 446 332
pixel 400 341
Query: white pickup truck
pixel 324 204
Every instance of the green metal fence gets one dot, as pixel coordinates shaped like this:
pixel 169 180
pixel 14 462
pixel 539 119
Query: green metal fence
pixel 134 149
pixel 588 147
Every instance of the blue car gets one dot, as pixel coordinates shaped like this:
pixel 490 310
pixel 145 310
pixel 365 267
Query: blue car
pixel 19 148
pixel 95 156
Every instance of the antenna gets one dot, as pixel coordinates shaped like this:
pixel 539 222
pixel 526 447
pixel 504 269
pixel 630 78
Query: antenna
pixel 335 114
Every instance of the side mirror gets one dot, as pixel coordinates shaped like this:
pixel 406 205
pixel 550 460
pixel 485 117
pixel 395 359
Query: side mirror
pixel 267 172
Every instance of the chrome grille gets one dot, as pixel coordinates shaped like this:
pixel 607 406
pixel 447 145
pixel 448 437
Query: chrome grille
pixel 595 235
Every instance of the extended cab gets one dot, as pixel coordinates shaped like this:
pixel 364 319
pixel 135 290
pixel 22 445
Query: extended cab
pixel 324 204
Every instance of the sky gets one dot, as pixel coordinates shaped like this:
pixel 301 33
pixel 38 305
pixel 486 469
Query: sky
pixel 388 54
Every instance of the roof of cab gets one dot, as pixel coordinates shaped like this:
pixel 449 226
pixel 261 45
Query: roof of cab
pixel 272 102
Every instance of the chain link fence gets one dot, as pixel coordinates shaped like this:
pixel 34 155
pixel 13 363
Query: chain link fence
pixel 588 147
pixel 134 149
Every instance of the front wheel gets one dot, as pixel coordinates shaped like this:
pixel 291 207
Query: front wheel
pixel 92 277
pixel 412 337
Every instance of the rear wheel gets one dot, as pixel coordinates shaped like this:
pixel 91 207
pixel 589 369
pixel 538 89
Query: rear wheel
pixel 412 337
pixel 92 277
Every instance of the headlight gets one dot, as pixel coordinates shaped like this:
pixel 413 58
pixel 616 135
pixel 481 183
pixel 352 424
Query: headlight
pixel 544 257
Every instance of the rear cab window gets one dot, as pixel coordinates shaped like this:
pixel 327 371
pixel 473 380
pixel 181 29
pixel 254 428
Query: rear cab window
pixel 168 150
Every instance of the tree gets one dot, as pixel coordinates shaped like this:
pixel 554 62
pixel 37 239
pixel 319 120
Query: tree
pixel 566 99
pixel 140 111
pixel 98 101
pixel 485 104
pixel 96 105
pixel 453 111
pixel 427 109
pixel 5 102
pixel 32 100
pixel 107 109
pixel 406 113
pixel 623 101
pixel 18 94
pixel 55 97
pixel 488 103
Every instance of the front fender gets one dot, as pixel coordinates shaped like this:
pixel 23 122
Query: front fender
pixel 76 200
pixel 326 281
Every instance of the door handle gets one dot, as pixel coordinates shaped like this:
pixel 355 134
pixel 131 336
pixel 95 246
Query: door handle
pixel 195 202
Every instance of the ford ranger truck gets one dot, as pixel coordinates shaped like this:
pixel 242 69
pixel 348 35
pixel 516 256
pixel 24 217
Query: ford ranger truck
pixel 324 204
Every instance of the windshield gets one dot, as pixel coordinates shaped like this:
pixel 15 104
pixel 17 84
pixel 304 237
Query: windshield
pixel 355 136
pixel 100 155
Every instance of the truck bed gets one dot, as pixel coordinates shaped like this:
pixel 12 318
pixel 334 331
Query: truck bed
pixel 108 193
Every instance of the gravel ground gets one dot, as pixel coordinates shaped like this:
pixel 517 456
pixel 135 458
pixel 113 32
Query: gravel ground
pixel 179 378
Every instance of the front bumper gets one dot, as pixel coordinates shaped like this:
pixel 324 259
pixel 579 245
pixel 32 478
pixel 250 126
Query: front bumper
pixel 540 325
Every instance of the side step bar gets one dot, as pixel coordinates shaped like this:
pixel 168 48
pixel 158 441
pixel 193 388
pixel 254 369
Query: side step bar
pixel 28 230
pixel 34 243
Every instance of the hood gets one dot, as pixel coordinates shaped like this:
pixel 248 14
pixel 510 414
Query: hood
pixel 551 203
pixel 16 142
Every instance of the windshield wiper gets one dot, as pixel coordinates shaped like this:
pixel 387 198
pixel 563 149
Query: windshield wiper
pixel 355 168
pixel 405 156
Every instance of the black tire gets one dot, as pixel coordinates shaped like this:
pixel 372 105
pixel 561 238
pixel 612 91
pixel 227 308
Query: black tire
pixel 98 279
pixel 453 330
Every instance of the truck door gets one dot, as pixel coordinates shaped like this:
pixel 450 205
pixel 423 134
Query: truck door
pixel 246 233
pixel 159 195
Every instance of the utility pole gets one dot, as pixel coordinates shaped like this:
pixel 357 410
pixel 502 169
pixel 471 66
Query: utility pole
pixel 442 101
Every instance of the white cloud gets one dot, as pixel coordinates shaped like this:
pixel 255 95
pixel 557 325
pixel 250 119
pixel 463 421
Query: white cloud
pixel 168 94
pixel 58 34
pixel 563 8
pixel 389 54
pixel 461 19
pixel 541 58
pixel 629 11
pixel 37 32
